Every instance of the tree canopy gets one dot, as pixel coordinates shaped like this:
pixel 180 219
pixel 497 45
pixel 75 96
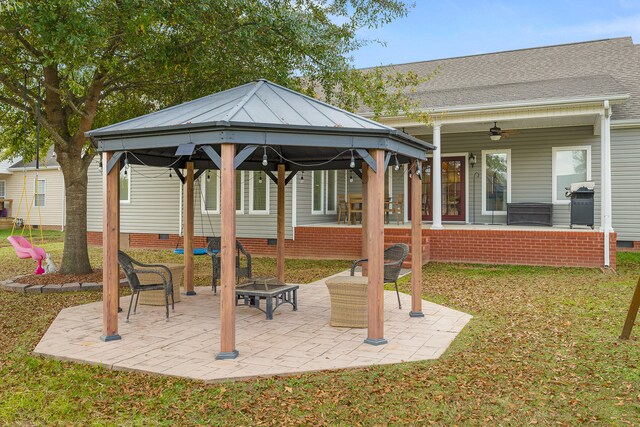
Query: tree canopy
pixel 103 61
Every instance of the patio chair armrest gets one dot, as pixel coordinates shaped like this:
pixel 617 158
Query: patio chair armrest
pixel 355 264
pixel 164 273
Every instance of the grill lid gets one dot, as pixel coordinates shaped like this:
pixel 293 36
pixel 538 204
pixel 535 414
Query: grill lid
pixel 576 187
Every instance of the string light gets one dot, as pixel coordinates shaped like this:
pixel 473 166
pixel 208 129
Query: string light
pixel 170 176
pixel 208 177
pixel 302 177
pixel 260 177
pixel 350 177
pixel 352 164
pixel 265 160
pixel 397 166
pixel 126 165
pixel 100 165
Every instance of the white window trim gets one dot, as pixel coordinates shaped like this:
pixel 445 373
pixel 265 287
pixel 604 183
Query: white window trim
pixel 484 179
pixel 44 205
pixel 335 193
pixel 554 181
pixel 322 190
pixel 240 209
pixel 203 192
pixel 3 195
pixel 268 201
pixel 128 201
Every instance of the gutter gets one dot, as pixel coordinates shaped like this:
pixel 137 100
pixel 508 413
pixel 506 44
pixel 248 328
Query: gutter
pixel 518 104
pixel 625 124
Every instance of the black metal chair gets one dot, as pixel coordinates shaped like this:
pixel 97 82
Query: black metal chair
pixel 241 270
pixel 131 270
pixel 394 256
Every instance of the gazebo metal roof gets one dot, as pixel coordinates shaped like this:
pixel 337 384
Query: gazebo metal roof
pixel 302 132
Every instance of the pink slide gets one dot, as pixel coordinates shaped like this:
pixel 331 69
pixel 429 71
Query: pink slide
pixel 24 250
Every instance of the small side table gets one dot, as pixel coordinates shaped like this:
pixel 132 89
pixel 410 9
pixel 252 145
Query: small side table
pixel 253 290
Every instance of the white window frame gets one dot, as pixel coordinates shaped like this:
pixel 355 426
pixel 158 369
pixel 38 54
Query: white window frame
pixel 335 193
pixel 44 205
pixel 484 153
pixel 203 191
pixel 128 169
pixel 253 211
pixel 554 181
pixel 3 195
pixel 240 209
pixel 322 191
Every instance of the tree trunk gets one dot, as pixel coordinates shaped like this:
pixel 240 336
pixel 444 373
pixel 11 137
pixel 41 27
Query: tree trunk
pixel 75 257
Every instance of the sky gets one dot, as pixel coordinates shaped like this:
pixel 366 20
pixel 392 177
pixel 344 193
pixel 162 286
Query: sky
pixel 437 29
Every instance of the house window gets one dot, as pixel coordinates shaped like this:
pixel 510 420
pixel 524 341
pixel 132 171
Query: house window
pixel 39 194
pixel 332 191
pixel 3 189
pixel 210 184
pixel 258 193
pixel 496 181
pixel 125 184
pixel 324 192
pixel 240 192
pixel 569 165
pixel 317 186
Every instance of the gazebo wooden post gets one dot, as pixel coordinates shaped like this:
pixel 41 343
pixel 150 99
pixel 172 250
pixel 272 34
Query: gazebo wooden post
pixel 227 254
pixel 110 244
pixel 188 231
pixel 280 228
pixel 375 239
pixel 364 222
pixel 416 242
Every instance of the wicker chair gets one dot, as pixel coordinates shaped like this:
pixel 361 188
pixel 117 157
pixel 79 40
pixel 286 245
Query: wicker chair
pixel 213 249
pixel 131 270
pixel 394 256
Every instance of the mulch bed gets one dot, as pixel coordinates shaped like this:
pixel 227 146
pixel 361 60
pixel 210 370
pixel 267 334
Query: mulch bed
pixel 59 279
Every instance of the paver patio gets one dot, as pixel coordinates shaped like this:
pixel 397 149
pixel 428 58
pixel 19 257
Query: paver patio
pixel 293 342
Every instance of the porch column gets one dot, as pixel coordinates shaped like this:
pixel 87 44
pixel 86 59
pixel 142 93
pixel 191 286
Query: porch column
pixel 375 249
pixel 280 228
pixel 110 244
pixel 227 254
pixel 436 176
pixel 364 222
pixel 605 179
pixel 188 231
pixel 416 243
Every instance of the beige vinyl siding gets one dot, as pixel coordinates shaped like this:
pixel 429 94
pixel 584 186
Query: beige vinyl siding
pixel 531 168
pixel 625 183
pixel 52 212
pixel 155 206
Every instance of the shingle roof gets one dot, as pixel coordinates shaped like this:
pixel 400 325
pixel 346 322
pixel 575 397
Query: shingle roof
pixel 601 67
pixel 48 161
pixel 260 102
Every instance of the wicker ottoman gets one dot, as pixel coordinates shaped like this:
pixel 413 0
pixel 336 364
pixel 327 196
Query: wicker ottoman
pixel 157 297
pixel 349 296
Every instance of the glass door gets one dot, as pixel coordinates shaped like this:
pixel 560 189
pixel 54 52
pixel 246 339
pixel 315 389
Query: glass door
pixel 452 184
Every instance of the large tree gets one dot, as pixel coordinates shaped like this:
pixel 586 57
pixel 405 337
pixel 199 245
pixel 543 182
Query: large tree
pixel 102 61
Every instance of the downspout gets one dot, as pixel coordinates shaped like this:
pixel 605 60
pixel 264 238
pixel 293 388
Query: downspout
pixel 605 199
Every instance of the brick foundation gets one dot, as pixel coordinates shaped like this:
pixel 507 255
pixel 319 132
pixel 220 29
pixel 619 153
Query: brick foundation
pixel 519 247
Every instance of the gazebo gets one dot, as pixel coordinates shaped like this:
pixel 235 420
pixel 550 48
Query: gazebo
pixel 266 127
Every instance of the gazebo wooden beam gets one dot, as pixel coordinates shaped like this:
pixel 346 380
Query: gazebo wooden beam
pixel 280 225
pixel 227 254
pixel 416 242
pixel 375 238
pixel 111 244
pixel 188 230
pixel 363 220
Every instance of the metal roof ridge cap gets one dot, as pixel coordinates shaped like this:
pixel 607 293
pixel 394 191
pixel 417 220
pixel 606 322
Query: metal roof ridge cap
pixel 244 100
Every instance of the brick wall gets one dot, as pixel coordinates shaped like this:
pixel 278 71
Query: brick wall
pixel 530 247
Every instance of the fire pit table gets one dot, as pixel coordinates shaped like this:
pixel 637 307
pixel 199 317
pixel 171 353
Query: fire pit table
pixel 253 290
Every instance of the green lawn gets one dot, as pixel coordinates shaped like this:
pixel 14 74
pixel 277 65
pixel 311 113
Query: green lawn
pixel 542 349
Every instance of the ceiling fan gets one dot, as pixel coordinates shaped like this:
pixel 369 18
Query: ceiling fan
pixel 496 133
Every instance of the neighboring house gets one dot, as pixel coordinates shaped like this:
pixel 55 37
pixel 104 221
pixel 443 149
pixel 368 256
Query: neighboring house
pixel 47 207
pixel 566 113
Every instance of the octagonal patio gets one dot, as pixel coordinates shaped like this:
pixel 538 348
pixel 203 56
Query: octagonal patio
pixel 293 342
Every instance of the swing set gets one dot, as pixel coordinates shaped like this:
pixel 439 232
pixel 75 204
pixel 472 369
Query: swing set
pixel 25 248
